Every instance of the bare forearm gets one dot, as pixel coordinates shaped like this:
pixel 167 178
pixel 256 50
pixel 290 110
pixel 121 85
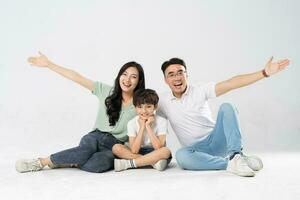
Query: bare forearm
pixel 71 75
pixel 136 144
pixel 154 140
pixel 246 79
pixel 238 82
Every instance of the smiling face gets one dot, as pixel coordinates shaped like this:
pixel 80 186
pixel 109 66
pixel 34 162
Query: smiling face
pixel 145 111
pixel 129 80
pixel 176 78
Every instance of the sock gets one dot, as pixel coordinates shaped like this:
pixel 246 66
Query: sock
pixel 130 164
pixel 232 155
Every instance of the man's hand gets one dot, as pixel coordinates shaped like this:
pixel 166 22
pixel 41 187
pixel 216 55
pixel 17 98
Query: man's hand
pixel 274 67
pixel 39 61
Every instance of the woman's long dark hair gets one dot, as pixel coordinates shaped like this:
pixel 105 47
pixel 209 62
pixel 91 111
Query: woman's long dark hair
pixel 114 101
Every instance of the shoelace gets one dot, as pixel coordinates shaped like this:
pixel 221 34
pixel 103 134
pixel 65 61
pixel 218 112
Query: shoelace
pixel 34 166
pixel 241 161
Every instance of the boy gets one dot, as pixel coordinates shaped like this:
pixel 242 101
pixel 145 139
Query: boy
pixel 147 136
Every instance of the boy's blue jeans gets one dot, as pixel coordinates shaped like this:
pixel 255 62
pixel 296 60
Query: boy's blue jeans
pixel 210 153
pixel 94 153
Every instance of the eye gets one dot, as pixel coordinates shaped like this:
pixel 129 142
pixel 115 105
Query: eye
pixel 171 75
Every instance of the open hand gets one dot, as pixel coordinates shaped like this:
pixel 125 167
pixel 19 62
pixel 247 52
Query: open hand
pixel 39 61
pixel 274 67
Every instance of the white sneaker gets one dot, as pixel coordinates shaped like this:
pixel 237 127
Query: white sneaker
pixel 28 165
pixel 120 165
pixel 254 162
pixel 238 165
pixel 160 165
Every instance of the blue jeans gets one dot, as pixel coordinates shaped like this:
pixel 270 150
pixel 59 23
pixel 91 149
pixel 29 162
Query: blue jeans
pixel 210 153
pixel 94 153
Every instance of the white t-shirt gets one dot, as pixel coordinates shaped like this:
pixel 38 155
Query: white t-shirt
pixel 190 116
pixel 159 127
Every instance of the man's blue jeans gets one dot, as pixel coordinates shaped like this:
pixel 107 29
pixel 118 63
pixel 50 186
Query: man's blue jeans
pixel 94 153
pixel 210 153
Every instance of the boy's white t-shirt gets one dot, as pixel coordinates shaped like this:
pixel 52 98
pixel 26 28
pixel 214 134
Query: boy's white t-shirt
pixel 159 127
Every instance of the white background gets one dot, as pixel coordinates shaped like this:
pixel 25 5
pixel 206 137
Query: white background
pixel 41 112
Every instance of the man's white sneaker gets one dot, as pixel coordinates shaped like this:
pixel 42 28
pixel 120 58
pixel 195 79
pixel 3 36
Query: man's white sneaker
pixel 238 165
pixel 28 165
pixel 254 162
pixel 160 165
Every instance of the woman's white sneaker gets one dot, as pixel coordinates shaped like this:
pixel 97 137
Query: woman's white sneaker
pixel 29 165
pixel 238 165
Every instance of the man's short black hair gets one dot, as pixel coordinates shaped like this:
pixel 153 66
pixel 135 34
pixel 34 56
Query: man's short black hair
pixel 145 96
pixel 172 61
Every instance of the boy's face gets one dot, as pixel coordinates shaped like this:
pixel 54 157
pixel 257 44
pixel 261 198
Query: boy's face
pixel 145 111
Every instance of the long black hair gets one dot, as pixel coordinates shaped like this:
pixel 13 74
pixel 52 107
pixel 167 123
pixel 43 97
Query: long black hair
pixel 114 101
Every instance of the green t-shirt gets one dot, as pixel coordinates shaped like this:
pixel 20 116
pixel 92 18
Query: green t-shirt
pixel 119 130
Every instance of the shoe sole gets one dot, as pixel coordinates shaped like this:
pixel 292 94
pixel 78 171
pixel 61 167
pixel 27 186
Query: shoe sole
pixel 242 174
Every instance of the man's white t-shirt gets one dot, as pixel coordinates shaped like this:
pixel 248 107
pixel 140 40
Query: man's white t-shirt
pixel 190 116
pixel 159 127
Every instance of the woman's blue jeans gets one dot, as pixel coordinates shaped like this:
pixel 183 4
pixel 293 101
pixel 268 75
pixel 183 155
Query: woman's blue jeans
pixel 94 153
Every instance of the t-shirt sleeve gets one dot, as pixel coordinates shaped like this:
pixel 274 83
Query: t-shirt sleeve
pixel 162 126
pixel 210 90
pixel 101 89
pixel 131 128
pixel 160 109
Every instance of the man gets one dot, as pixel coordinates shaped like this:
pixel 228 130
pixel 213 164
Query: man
pixel 208 145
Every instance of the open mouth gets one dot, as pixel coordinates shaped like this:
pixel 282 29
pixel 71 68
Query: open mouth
pixel 126 85
pixel 177 85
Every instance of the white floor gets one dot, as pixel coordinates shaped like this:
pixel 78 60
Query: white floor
pixel 280 179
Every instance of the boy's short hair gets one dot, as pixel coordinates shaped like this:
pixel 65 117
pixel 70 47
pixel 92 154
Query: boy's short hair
pixel 145 96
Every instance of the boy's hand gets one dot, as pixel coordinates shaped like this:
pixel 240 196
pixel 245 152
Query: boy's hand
pixel 142 122
pixel 150 121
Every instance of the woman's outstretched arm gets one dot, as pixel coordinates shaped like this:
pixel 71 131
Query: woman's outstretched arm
pixel 43 61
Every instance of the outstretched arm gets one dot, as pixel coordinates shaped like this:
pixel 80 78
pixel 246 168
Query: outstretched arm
pixel 247 79
pixel 43 61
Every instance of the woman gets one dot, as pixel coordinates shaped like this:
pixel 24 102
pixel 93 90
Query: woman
pixel 94 153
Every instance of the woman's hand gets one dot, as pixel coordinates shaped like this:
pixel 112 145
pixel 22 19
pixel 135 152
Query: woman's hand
pixel 39 61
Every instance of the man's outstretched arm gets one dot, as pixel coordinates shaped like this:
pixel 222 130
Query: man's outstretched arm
pixel 247 79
